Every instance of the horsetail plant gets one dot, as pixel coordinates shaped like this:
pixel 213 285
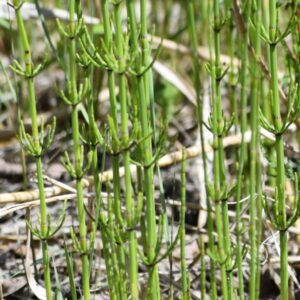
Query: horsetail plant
pixel 278 127
pixel 36 145
pixel 122 57
pixel 117 60
pixel 219 191
pixel 113 108
pixel 255 197
pixel 115 253
pixel 133 233
pixel 93 138
pixel 143 78
pixel 266 102
pixel 197 85
pixel 243 150
pixel 145 102
pixel 73 98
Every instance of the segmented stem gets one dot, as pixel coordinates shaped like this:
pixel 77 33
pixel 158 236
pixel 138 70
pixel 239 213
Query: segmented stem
pixel 35 135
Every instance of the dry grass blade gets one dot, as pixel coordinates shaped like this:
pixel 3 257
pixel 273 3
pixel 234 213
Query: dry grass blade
pixel 10 209
pixel 11 286
pixel 172 77
pixel 203 52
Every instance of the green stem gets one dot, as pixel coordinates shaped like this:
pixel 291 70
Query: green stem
pixel 80 208
pixel 218 211
pixel 197 84
pixel 99 203
pixel 259 224
pixel 284 283
pixel 144 83
pixel 243 151
pixel 44 226
pixel 35 135
pixel 184 276
pixel 126 155
pixel 115 159
pixel 117 267
pixel 254 171
pixel 280 179
pixel 203 271
pixel 149 190
pixel 222 220
pixel 78 158
pixel 132 23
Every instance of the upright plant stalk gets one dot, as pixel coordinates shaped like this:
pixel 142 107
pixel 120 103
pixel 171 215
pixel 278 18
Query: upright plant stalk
pixel 243 150
pixel 280 179
pixel 220 128
pixel 218 212
pixel 203 271
pixel 114 252
pixel 113 107
pixel 270 151
pixel 231 49
pixel 203 8
pixel 126 153
pixel 184 271
pixel 132 23
pixel 74 99
pixel 138 82
pixel 108 38
pixel 20 86
pixel 259 223
pixel 29 74
pixel 144 92
pixel 265 102
pixel 255 197
pixel 278 127
pixel 99 210
pixel 197 84
pixel 144 83
pixel 117 224
pixel 94 139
